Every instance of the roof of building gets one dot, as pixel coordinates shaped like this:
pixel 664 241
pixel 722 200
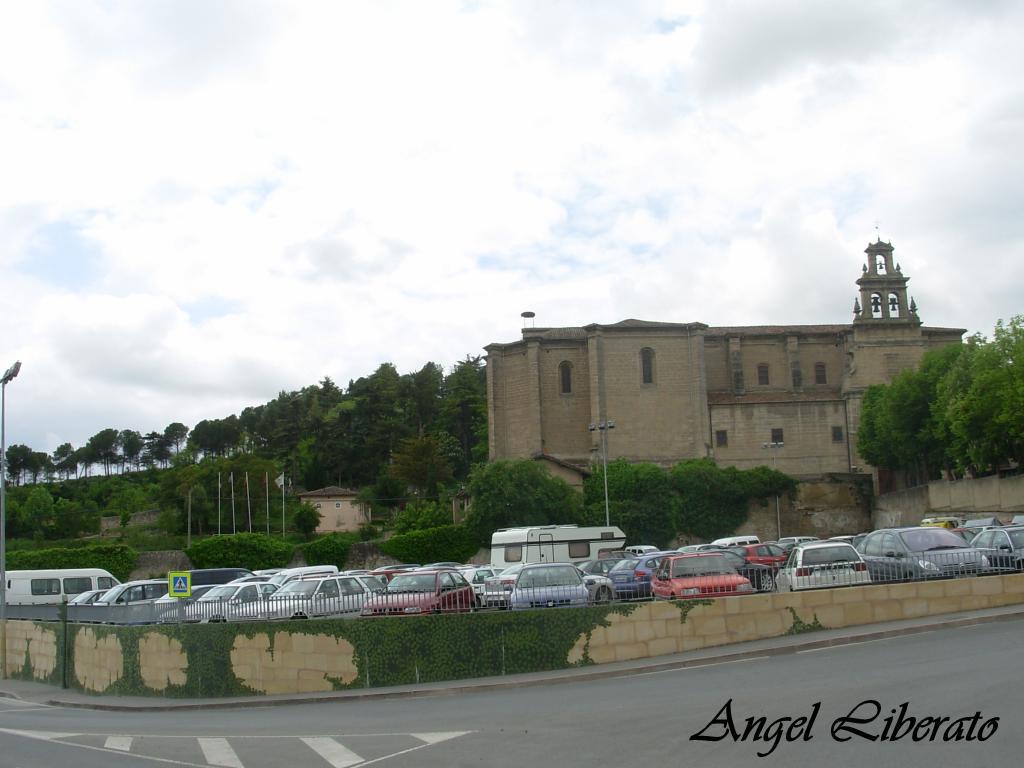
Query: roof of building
pixel 330 491
pixel 772 330
pixel 583 471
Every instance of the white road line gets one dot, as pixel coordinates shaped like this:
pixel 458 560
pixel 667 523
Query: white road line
pixel 334 753
pixel 219 752
pixel 438 736
pixel 121 743
pixel 694 666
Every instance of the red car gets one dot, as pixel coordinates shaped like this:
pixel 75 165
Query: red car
pixel 769 554
pixel 703 574
pixel 422 591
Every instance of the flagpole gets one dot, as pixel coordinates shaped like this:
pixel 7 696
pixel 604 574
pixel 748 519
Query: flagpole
pixel 218 503
pixel 266 491
pixel 248 500
pixel 231 479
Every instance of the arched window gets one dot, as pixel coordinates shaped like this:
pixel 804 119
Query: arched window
pixel 876 305
pixel 565 377
pixel 894 305
pixel 820 376
pixel 762 374
pixel 647 365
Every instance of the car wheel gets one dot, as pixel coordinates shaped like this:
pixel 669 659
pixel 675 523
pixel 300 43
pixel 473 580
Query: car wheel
pixel 768 583
pixel 604 595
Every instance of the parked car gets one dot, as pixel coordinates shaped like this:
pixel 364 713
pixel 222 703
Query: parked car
pixel 769 554
pixel 231 602
pixel 327 596
pixel 87 598
pixel 133 592
pixel 285 575
pixel 761 577
pixel 601 587
pixel 171 610
pixel 477 576
pixel 700 574
pixel 632 577
pixel 498 588
pixel 217 575
pixel 902 554
pixel 689 549
pixel 639 550
pixel 818 564
pixel 387 572
pixel 788 542
pixel 733 541
pixel 942 522
pixel 598 567
pixel 853 540
pixel 1007 545
pixel 549 585
pixel 439 591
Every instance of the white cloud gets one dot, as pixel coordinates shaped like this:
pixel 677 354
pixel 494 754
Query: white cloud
pixel 265 194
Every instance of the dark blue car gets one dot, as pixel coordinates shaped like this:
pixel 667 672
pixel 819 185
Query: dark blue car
pixel 632 576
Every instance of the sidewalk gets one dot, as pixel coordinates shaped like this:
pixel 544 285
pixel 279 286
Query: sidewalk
pixel 51 695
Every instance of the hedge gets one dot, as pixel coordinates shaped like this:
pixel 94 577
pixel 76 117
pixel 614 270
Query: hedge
pixel 453 543
pixel 240 550
pixel 330 550
pixel 118 559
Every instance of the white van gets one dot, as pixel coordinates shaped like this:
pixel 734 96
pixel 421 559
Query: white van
pixel 553 544
pixel 736 541
pixel 55 586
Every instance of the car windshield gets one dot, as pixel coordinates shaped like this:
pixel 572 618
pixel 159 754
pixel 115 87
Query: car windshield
pixel 219 593
pixel 626 565
pixel 711 565
pixel 1016 538
pixel 412 582
pixel 925 539
pixel 298 588
pixel 548 577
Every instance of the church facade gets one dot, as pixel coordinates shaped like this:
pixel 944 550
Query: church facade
pixel 787 396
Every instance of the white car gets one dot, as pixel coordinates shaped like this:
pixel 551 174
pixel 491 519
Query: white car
pixel 330 596
pixel 231 602
pixel 477 577
pixel 819 564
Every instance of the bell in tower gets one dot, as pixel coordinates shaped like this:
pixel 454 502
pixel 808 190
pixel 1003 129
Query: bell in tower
pixel 883 289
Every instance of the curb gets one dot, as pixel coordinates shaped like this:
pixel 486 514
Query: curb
pixel 557 676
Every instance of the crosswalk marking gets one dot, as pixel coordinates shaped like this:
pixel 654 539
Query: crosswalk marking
pixel 438 736
pixel 334 753
pixel 219 752
pixel 121 743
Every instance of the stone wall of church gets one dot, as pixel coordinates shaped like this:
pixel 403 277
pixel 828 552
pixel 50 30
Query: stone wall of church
pixel 566 415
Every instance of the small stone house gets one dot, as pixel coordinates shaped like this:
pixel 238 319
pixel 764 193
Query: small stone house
pixel 339 510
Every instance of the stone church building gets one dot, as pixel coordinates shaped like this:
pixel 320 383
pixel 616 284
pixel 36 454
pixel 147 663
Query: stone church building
pixel 787 395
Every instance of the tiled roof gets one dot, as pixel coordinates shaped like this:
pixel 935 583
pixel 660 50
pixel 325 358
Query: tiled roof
pixel 330 491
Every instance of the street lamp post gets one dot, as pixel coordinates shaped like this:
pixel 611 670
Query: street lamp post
pixel 603 427
pixel 8 376
pixel 772 448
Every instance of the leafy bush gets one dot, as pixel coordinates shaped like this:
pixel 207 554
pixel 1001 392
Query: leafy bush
pixel 116 558
pixel 331 549
pixel 421 515
pixel 241 550
pixel 306 519
pixel 450 542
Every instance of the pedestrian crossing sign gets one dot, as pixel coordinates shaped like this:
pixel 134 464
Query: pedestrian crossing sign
pixel 179 584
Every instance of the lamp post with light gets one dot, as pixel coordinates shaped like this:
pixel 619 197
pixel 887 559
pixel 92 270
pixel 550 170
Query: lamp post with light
pixel 8 376
pixel 603 427
pixel 772 448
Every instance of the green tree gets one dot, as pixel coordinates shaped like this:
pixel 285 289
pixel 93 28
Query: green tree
pixel 175 434
pixel 306 519
pixel 38 511
pixel 418 462
pixel 642 501
pixel 132 444
pixel 422 515
pixel 521 492
pixel 103 447
pixel 64 460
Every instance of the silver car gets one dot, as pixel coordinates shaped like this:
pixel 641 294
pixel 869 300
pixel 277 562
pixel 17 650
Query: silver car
pixel 231 602
pixel 330 596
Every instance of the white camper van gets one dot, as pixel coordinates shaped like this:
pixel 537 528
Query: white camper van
pixel 52 587
pixel 553 544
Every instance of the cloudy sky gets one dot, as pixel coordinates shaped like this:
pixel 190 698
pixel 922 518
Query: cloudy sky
pixel 205 203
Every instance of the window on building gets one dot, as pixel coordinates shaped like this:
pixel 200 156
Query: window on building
pixel 721 438
pixel 777 436
pixel 565 377
pixel 337 505
pixel 762 374
pixel 318 505
pixel 798 378
pixel 647 365
pixel 837 434
pixel 820 376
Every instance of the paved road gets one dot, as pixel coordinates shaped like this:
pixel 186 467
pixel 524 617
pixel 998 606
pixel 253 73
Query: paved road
pixel 644 719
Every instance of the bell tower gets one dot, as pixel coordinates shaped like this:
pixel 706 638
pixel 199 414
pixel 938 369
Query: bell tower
pixel 883 291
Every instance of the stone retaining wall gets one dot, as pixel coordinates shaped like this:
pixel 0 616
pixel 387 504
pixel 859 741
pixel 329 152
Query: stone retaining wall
pixel 324 655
